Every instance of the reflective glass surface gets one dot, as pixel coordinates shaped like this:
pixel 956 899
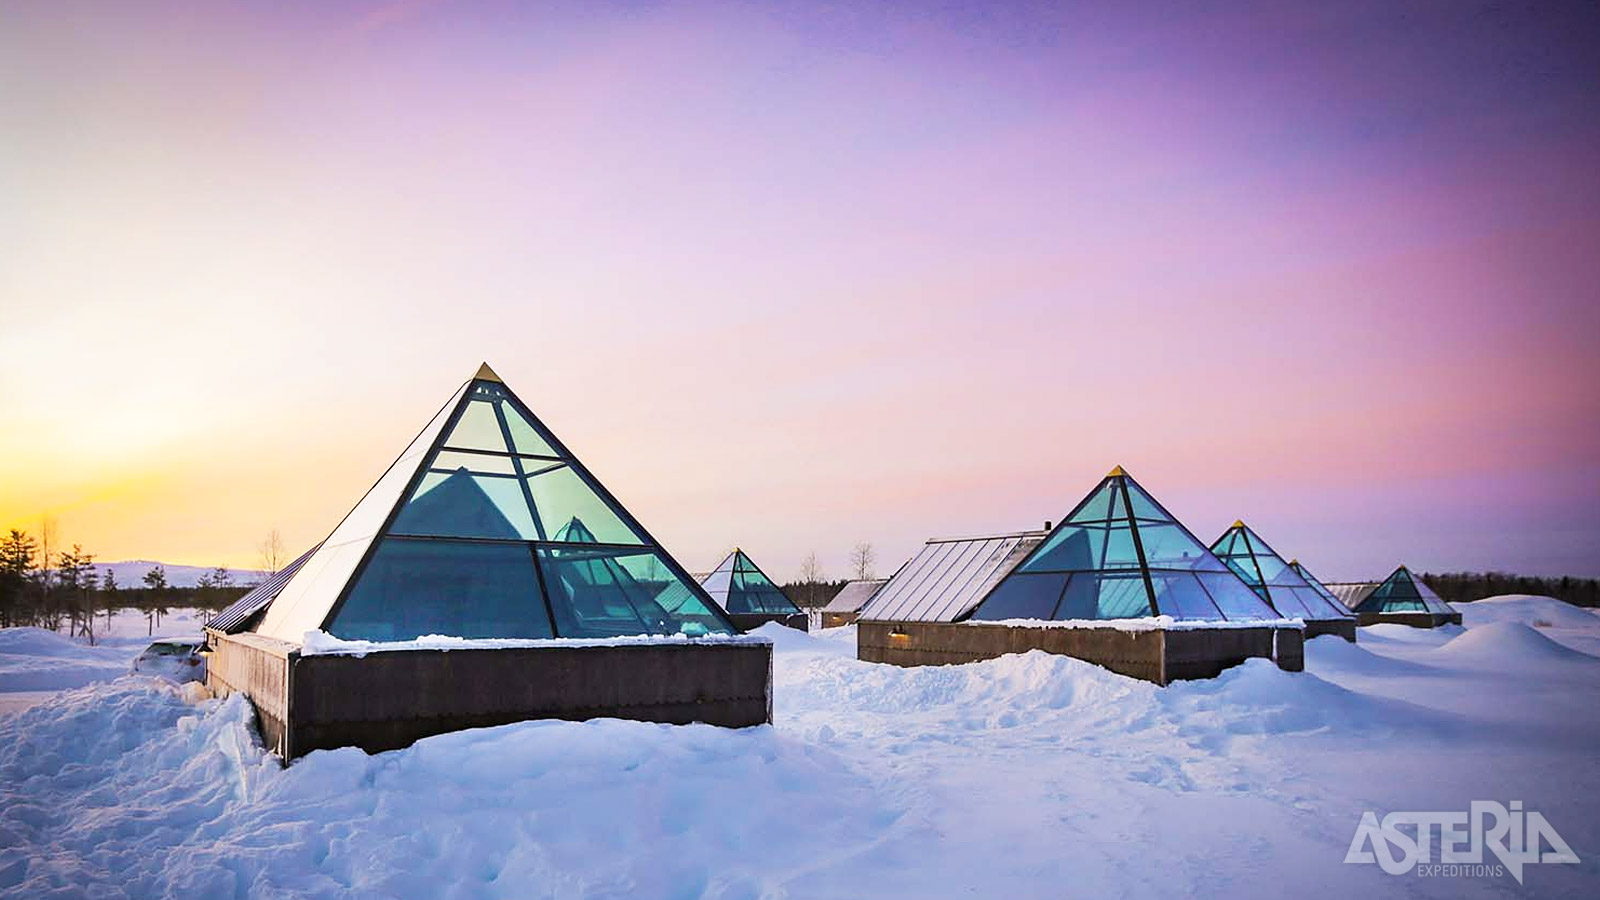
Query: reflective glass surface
pixel 412 588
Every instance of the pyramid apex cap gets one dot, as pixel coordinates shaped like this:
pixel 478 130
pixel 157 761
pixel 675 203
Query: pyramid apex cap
pixel 1116 472
pixel 1238 523
pixel 1295 561
pixel 487 374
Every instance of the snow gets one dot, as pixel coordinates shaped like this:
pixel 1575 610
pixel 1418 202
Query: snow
pixel 321 643
pixel 1027 776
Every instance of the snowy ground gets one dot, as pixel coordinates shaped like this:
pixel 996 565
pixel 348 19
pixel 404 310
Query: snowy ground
pixel 1029 776
pixel 35 663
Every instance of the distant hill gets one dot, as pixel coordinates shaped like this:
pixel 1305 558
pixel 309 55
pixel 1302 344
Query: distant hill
pixel 130 573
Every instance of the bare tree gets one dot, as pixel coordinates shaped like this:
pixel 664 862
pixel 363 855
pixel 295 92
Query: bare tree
pixel 861 560
pixel 811 578
pixel 272 555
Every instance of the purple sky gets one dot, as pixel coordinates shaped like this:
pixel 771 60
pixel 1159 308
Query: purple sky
pixel 794 276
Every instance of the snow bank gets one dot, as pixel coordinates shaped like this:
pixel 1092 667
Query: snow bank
pixel 1527 609
pixel 1510 645
pixel 321 643
pixel 33 659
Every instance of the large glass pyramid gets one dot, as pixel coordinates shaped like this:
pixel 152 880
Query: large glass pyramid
pixel 1273 580
pixel 1315 582
pixel 488 527
pixel 1120 555
pixel 1403 592
pixel 739 586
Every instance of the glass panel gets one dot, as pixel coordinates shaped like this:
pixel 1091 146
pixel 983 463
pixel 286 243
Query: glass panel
pixel 717 583
pixel 1072 548
pixel 1144 506
pixel 473 462
pixel 1180 596
pixel 1098 507
pixel 753 592
pixel 1234 598
pixel 1170 547
pixel 609 593
pixel 477 429
pixel 1120 597
pixel 464 505
pixel 412 588
pixel 524 435
pixel 560 496
pixel 1022 597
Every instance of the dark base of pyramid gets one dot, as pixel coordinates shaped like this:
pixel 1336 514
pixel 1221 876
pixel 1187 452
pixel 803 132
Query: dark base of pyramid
pixel 750 621
pixel 837 619
pixel 1414 619
pixel 1345 628
pixel 391 699
pixel 1159 656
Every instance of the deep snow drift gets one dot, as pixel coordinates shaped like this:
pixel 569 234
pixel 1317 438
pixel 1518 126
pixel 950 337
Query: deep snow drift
pixel 1028 776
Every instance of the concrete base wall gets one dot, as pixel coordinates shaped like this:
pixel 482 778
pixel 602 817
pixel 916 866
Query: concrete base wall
pixel 1345 628
pixel 1414 619
pixel 390 699
pixel 837 619
pixel 1158 656
pixel 749 621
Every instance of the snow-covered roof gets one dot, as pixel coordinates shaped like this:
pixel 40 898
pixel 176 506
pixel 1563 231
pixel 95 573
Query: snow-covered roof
pixel 948 577
pixel 854 595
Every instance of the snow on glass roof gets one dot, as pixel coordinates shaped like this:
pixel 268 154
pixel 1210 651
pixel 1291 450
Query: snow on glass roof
pixel 487 526
pixel 1401 592
pixel 739 586
pixel 1274 580
pixel 1121 555
pixel 854 595
pixel 948 577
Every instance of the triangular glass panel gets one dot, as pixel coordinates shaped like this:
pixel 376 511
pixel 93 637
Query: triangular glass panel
pixel 1103 504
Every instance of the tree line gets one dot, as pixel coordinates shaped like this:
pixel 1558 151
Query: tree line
pixel 48 588
pixel 1464 587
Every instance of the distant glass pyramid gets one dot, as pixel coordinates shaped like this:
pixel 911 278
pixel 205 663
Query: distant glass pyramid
pixel 1316 583
pixel 739 586
pixel 1403 592
pixel 1274 580
pixel 1120 555
pixel 488 527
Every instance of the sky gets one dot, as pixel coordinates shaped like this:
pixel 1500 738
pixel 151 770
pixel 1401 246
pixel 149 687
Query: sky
pixel 795 276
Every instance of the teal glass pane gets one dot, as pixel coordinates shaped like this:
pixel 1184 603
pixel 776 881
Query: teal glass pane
pixel 463 505
pixel 560 495
pixel 750 591
pixel 524 434
pixel 1116 596
pixel 1103 504
pixel 1072 548
pixel 1022 597
pixel 477 429
pixel 1234 598
pixel 1243 567
pixel 1144 506
pixel 412 588
pixel 1170 547
pixel 1179 595
pixel 1119 550
pixel 610 593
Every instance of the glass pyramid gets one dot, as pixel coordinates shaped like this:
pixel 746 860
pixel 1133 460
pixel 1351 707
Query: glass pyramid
pixel 1403 592
pixel 1120 555
pixel 739 586
pixel 1316 583
pixel 488 527
pixel 1273 580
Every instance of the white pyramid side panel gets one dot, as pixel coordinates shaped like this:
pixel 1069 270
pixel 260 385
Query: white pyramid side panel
pixel 304 602
pixel 1430 597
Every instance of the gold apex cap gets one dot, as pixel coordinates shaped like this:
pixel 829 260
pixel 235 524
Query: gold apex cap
pixel 487 374
pixel 1116 472
pixel 1238 523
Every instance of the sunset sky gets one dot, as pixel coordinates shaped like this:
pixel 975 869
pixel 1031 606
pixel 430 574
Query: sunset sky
pixel 797 275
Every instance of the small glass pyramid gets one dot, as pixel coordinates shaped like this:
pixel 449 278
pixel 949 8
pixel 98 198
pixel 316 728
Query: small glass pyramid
pixel 488 527
pixel 1315 582
pixel 1121 555
pixel 1403 592
pixel 739 586
pixel 1273 580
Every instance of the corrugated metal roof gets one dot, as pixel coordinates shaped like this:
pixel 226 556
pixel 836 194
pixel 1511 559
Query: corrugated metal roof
pixel 232 620
pixel 854 595
pixel 947 579
pixel 1352 593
